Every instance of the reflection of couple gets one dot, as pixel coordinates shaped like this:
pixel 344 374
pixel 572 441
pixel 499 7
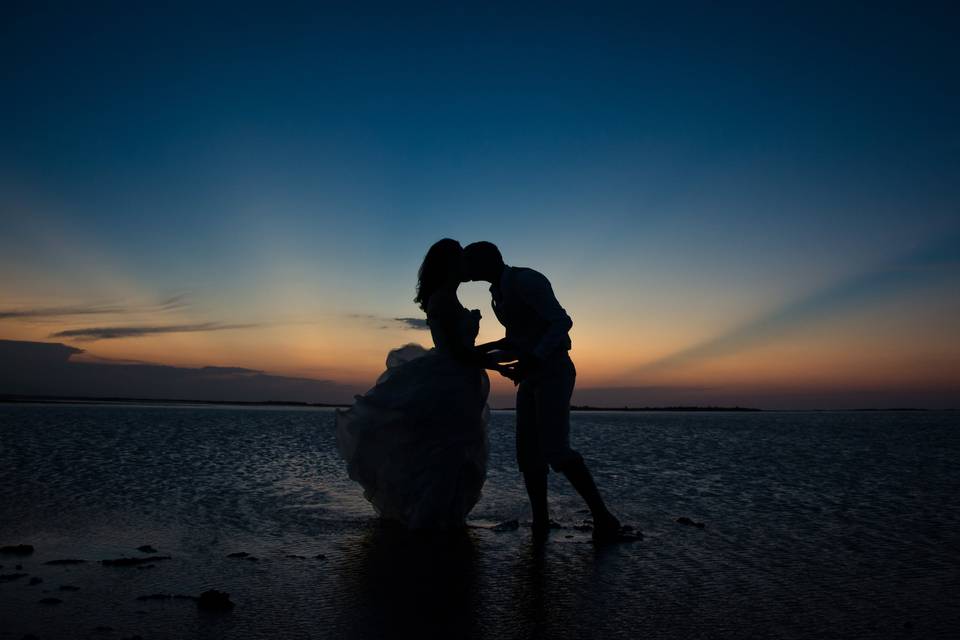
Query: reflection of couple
pixel 417 442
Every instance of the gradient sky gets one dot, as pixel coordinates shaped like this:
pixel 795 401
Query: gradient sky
pixel 749 205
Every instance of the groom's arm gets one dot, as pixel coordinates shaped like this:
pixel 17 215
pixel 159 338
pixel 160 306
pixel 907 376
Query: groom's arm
pixel 537 292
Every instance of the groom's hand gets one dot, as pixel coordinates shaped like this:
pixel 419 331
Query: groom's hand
pixel 522 369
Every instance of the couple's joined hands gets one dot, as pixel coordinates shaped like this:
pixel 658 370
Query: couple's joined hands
pixel 502 358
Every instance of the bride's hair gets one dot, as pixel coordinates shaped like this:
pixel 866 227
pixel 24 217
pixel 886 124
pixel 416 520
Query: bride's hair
pixel 442 258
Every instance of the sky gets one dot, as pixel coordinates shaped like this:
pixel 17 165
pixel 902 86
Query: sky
pixel 745 205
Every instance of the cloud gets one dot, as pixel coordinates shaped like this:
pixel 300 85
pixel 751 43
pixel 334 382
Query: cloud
pixel 112 333
pixel 172 303
pixel 59 312
pixel 49 369
pixel 413 323
pixel 940 258
pixel 419 324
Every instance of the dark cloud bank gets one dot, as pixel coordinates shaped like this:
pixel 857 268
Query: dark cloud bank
pixel 45 369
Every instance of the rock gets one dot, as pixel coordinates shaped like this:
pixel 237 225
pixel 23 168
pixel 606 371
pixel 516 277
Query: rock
pixel 294 555
pixel 166 596
pixel 213 600
pixel 146 548
pixel 319 556
pixel 238 554
pixel 8 577
pixel 690 523
pixel 506 525
pixel 17 549
pixel 252 558
pixel 50 601
pixel 35 580
pixel 69 587
pixel 65 561
pixel 131 562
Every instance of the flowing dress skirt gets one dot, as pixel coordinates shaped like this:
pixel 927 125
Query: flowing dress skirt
pixel 417 441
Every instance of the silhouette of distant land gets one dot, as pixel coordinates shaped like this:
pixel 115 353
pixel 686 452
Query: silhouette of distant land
pixel 43 372
pixel 49 370
pixel 586 407
pixel 15 399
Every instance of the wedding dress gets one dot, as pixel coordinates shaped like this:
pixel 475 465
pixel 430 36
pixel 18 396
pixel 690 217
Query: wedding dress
pixel 417 441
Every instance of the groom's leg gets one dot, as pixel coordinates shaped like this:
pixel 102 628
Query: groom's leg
pixel 579 476
pixel 529 458
pixel 553 408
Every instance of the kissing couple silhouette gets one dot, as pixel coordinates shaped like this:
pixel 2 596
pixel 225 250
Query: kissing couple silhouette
pixel 417 441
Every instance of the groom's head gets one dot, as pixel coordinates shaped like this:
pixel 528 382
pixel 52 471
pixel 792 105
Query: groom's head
pixel 481 261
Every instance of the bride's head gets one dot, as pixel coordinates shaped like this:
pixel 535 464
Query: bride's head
pixel 441 266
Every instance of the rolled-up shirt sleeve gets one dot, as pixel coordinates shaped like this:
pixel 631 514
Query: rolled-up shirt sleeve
pixel 538 293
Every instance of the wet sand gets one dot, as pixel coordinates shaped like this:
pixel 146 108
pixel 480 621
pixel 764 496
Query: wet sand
pixel 815 526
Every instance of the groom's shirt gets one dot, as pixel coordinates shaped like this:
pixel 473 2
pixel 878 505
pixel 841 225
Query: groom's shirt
pixel 525 305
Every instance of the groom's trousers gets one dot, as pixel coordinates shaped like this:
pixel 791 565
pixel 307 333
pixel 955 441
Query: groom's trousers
pixel 543 415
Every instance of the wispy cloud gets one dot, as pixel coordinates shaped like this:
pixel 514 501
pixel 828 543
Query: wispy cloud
pixel 172 303
pixel 112 333
pixel 413 323
pixel 940 258
pixel 392 323
pixel 59 312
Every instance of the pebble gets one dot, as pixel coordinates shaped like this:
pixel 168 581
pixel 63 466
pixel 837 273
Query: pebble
pixel 690 523
pixel 17 549
pixel 131 562
pixel 213 600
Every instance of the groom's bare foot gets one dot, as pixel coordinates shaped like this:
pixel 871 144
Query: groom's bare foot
pixel 607 529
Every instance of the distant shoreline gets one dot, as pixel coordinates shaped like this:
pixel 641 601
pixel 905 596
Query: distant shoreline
pixel 22 399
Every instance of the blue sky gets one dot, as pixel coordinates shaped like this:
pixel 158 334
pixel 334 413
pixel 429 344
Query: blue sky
pixel 678 173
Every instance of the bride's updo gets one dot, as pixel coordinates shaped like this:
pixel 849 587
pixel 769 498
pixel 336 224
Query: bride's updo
pixel 442 260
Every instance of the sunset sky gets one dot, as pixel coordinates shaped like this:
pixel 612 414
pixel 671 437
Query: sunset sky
pixel 753 205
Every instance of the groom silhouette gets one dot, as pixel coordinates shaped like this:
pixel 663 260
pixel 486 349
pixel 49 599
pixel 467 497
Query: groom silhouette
pixel 537 341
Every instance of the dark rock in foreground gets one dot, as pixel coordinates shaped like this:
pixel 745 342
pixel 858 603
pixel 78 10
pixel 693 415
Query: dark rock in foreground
pixel 690 523
pixel 131 562
pixel 7 577
pixel 238 554
pixel 17 549
pixel 146 548
pixel 64 561
pixel 213 600
pixel 507 525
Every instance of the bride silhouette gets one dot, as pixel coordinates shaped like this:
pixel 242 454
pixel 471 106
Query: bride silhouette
pixel 417 441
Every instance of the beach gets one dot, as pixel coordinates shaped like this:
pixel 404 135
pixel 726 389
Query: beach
pixel 814 524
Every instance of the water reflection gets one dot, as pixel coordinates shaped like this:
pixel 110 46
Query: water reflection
pixel 397 583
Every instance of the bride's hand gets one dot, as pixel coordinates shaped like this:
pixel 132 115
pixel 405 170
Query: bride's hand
pixel 509 371
pixel 502 356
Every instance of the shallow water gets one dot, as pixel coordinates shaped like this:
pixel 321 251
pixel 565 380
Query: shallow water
pixel 817 525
